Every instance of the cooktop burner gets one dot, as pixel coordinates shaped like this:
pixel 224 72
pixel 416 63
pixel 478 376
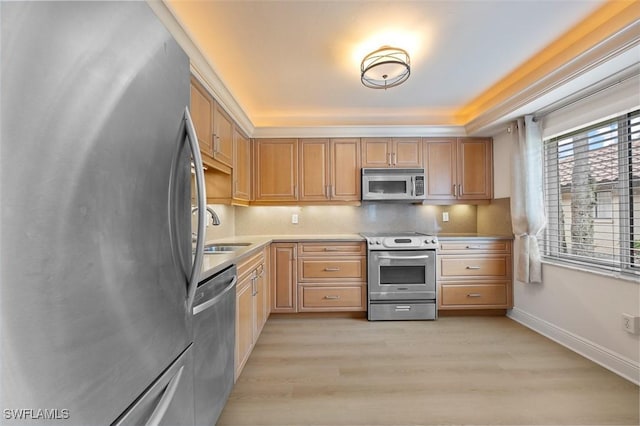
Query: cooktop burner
pixel 400 241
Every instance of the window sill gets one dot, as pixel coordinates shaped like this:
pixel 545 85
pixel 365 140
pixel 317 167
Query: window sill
pixel 596 271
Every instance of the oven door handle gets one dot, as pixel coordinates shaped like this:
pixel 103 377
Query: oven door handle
pixel 426 256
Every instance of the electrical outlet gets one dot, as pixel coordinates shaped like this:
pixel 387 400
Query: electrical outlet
pixel 630 323
pixel 294 219
pixel 445 216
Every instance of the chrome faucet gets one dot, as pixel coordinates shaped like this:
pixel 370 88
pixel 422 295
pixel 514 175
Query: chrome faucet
pixel 215 220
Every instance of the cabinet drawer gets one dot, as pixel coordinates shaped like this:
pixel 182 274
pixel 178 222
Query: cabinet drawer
pixel 476 267
pixel 249 264
pixel 353 248
pixel 481 294
pixel 473 246
pixel 328 269
pixel 317 298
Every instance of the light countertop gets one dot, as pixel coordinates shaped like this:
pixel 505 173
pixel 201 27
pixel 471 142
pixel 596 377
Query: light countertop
pixel 213 263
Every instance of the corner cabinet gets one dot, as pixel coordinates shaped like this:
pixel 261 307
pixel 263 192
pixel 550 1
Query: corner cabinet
pixel 458 168
pixel 391 152
pixel 475 273
pixel 276 170
pixel 327 276
pixel 283 278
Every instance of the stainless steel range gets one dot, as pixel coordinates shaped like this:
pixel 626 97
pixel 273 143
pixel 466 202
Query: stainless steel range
pixel 401 276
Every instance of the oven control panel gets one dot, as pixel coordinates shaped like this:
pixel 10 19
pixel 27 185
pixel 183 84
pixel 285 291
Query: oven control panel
pixel 415 242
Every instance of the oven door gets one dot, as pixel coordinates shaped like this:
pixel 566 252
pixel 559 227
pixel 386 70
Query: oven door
pixel 402 275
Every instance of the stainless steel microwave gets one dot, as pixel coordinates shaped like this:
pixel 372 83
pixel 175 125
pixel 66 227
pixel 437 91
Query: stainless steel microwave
pixel 392 184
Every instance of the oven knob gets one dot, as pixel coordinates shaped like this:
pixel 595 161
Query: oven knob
pixel 377 242
pixel 434 241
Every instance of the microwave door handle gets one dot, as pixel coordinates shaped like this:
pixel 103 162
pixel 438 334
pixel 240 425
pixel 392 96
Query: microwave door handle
pixel 413 186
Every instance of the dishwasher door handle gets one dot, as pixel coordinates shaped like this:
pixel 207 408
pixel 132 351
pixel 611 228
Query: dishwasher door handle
pixel 209 303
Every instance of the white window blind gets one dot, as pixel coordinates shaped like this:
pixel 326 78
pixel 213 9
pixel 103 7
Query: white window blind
pixel 592 195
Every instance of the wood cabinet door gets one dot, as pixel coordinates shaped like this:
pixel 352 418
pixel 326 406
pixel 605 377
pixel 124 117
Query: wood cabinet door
pixel 241 167
pixel 276 168
pixel 244 322
pixel 440 168
pixel 475 169
pixel 223 136
pixel 345 169
pixel 202 115
pixel 260 302
pixel 284 281
pixel 406 152
pixel 314 169
pixel 376 152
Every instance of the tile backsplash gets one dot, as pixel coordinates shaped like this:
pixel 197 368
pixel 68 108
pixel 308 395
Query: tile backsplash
pixel 492 219
pixel 377 217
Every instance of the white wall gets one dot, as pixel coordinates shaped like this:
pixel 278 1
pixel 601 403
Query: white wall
pixel 579 309
pixel 502 143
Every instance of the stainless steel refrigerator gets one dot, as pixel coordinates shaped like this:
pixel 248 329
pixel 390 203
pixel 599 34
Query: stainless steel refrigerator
pixel 95 256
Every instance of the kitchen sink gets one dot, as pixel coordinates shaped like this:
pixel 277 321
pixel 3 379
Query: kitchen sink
pixel 221 248
pixel 218 249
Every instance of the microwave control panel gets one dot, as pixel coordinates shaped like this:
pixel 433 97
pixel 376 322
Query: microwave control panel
pixel 419 186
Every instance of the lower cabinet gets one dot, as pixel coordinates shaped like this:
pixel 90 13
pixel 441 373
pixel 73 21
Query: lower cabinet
pixel 475 274
pixel 252 305
pixel 319 276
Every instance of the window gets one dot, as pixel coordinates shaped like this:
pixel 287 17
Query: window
pixel 592 195
pixel 603 205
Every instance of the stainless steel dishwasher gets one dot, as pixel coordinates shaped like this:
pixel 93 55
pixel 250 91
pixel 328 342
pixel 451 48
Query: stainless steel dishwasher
pixel 214 330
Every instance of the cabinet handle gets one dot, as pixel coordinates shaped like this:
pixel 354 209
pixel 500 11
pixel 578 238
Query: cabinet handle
pixel 335 269
pixel 474 295
pixel 331 249
pixel 474 247
pixel 455 192
pixel 215 143
pixel 459 190
pixel 393 158
pixel 332 297
pixel 473 267
pixel 253 286
pixel 389 158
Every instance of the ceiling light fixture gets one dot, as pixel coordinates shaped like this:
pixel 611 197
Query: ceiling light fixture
pixel 384 68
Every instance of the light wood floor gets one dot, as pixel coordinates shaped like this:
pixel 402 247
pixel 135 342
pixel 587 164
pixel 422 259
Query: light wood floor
pixel 456 370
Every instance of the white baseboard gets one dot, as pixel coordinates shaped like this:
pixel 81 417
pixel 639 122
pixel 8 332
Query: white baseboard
pixel 617 363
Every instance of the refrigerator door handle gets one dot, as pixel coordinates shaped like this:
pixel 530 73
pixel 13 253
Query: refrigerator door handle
pixel 165 401
pixel 201 204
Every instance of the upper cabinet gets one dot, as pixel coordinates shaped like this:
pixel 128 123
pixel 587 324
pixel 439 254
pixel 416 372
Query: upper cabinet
pixel 276 170
pixel 202 105
pixel 222 136
pixel 241 172
pixel 329 169
pixel 458 168
pixel 391 152
pixel 214 129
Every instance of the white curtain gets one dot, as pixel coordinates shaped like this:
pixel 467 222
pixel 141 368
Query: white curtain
pixel 527 199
